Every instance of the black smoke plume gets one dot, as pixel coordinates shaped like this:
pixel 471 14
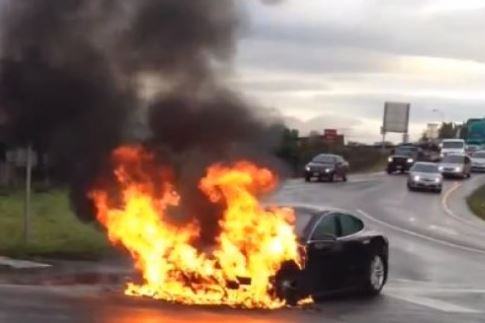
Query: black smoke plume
pixel 70 75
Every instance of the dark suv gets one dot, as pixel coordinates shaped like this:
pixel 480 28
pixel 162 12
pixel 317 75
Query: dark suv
pixel 327 166
pixel 403 158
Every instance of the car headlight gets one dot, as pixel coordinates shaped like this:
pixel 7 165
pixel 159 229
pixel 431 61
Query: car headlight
pixel 328 170
pixel 390 159
pixel 417 178
pixel 458 169
pixel 410 160
pixel 441 168
pixel 437 180
pixel 307 168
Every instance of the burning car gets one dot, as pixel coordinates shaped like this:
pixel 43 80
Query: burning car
pixel 340 254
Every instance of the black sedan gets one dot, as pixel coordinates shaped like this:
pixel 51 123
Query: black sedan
pixel 340 254
pixel 327 166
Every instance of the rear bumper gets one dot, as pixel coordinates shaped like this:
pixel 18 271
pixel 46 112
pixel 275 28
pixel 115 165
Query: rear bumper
pixel 319 174
pixel 399 166
pixel 478 168
pixel 425 185
pixel 453 174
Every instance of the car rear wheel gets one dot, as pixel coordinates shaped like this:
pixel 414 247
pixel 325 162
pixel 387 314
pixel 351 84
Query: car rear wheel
pixel 376 276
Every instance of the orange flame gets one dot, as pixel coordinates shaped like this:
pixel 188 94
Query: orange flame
pixel 253 243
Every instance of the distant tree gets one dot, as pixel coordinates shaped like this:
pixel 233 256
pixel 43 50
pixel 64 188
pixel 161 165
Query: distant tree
pixel 448 130
pixel 288 149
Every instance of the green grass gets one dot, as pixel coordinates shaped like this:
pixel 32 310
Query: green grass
pixel 476 202
pixel 55 230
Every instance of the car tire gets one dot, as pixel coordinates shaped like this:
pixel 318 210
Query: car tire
pixel 286 283
pixel 389 171
pixel 375 277
pixel 344 178
pixel 439 190
pixel 331 178
pixel 308 179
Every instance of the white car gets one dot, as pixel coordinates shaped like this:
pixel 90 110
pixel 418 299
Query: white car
pixel 478 161
pixel 456 166
pixel 425 176
pixel 452 147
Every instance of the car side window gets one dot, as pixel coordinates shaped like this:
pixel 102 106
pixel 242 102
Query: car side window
pixel 349 224
pixel 328 226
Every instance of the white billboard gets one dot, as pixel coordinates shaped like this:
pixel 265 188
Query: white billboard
pixel 396 117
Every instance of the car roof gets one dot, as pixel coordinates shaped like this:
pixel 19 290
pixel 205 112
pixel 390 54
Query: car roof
pixel 327 155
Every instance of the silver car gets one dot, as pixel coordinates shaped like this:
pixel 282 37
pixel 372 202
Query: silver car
pixel 456 166
pixel 425 176
pixel 478 161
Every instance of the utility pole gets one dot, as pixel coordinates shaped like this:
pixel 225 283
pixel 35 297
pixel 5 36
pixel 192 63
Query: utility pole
pixel 28 193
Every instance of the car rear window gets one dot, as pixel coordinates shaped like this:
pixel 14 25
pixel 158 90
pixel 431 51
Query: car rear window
pixel 454 159
pixel 406 151
pixel 479 155
pixel 324 159
pixel 425 168
pixel 453 145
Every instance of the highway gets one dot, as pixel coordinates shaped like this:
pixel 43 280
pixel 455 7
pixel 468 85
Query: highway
pixel 437 265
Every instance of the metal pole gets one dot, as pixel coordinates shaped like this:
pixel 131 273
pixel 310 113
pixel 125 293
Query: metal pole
pixel 383 132
pixel 28 193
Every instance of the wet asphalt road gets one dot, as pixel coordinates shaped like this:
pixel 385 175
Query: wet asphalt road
pixel 437 266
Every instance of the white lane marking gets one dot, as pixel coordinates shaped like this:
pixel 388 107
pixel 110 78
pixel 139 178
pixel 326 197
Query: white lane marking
pixel 21 264
pixel 418 235
pixel 435 290
pixel 433 303
pixel 449 211
pixel 443 230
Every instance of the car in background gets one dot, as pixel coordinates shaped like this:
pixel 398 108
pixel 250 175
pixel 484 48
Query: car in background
pixel 339 254
pixel 425 176
pixel 402 158
pixel 471 149
pixel 478 161
pixel 327 167
pixel 452 147
pixel 456 166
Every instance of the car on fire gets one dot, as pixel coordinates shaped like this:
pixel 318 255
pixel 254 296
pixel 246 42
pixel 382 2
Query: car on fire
pixel 327 166
pixel 340 254
pixel 425 176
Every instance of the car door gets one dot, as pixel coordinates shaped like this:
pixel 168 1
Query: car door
pixel 340 166
pixel 323 268
pixel 353 254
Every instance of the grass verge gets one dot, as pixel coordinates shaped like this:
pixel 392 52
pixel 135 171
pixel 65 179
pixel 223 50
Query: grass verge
pixel 55 230
pixel 476 202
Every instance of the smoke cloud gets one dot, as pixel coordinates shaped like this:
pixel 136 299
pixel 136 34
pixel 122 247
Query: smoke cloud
pixel 70 75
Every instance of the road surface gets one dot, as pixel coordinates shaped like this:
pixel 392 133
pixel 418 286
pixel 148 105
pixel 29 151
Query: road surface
pixel 437 266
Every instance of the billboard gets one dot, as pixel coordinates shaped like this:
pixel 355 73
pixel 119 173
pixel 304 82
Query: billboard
pixel 396 117
pixel 330 135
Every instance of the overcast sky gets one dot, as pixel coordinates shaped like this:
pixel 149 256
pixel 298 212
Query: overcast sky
pixel 334 63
